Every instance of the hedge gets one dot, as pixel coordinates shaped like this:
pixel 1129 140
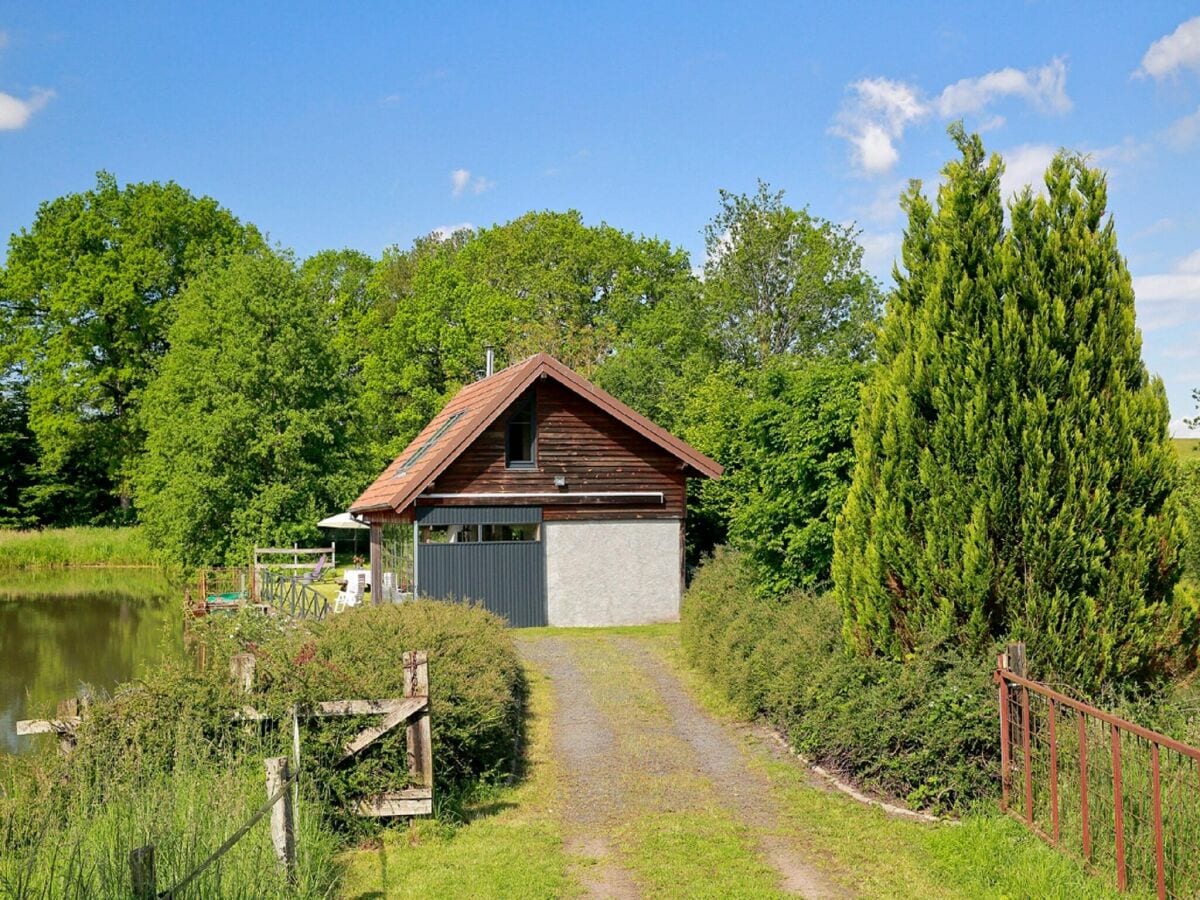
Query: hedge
pixel 922 730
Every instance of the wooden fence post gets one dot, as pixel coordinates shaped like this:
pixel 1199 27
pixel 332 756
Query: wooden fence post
pixel 141 873
pixel 420 747
pixel 1017 663
pixel 283 834
pixel 241 670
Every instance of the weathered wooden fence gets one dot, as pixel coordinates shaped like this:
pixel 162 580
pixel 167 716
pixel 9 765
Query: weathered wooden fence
pixel 411 710
pixel 1124 798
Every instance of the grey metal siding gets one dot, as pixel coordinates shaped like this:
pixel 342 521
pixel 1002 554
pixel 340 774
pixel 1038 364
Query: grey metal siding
pixel 506 577
pixel 478 515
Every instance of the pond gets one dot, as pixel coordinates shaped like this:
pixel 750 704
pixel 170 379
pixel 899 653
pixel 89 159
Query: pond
pixel 63 629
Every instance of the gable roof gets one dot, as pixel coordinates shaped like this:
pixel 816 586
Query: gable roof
pixel 478 405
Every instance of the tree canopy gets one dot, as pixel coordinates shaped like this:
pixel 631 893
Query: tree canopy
pixel 88 293
pixel 250 436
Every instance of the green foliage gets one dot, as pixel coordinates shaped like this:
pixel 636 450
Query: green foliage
pixel 786 282
pixel 249 434
pixel 475 686
pixel 785 439
pixel 18 452
pixel 923 730
pixel 1188 493
pixel 89 294
pixel 78 847
pixel 542 282
pixel 1013 472
pixel 74 547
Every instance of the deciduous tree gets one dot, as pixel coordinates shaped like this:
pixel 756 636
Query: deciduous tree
pixel 785 281
pixel 89 289
pixel 249 429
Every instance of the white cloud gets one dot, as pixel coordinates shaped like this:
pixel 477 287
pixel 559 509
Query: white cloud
pixel 874 150
pixel 883 208
pixel 1184 132
pixel 1160 226
pixel 877 111
pixel 1043 88
pixel 1171 298
pixel 875 116
pixel 444 232
pixel 1024 165
pixel 1178 50
pixel 16 113
pixel 1180 429
pixel 461 182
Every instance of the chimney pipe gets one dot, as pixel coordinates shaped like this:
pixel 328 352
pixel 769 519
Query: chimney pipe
pixel 490 365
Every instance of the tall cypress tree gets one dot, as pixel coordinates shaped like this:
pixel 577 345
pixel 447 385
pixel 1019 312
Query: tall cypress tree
pixel 1014 474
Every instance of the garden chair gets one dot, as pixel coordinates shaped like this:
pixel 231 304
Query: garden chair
pixel 316 571
pixel 350 595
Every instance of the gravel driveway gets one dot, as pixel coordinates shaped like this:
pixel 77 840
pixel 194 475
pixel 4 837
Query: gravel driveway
pixel 632 742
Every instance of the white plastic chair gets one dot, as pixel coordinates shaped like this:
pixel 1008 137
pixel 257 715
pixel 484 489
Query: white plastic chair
pixel 351 596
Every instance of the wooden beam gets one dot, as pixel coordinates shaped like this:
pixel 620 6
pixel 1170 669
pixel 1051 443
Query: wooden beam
pixel 48 726
pixel 376 563
pixel 411 802
pixel 354 707
pixel 420 737
pixel 368 736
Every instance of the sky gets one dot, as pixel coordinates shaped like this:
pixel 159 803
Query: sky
pixel 366 125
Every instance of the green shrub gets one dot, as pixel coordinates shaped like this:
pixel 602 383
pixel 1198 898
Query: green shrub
pixel 1188 492
pixel 922 730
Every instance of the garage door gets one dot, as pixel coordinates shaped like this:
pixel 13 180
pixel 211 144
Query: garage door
pixel 492 555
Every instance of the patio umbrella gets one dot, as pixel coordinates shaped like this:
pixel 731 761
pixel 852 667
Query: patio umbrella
pixel 345 521
pixel 341 520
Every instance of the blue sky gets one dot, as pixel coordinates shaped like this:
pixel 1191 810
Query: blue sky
pixel 365 125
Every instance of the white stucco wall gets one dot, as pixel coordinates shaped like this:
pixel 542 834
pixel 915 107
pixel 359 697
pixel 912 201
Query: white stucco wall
pixel 612 573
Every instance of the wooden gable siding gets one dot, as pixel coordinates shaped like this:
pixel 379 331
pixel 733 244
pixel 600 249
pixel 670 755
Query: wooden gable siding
pixel 576 439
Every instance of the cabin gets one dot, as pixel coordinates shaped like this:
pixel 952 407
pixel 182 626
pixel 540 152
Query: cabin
pixel 540 496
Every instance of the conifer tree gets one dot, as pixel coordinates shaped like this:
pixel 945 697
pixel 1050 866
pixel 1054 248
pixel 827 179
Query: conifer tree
pixel 1014 474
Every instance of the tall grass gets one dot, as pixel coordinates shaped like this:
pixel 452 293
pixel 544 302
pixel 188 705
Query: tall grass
pixel 56 548
pixel 81 849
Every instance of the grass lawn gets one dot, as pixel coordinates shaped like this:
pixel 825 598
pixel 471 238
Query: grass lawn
pixel 1187 448
pixel 512 844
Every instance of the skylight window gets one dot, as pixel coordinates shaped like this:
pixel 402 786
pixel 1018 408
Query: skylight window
pixel 425 447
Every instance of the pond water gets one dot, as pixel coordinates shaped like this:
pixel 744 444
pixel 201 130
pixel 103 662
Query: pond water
pixel 61 630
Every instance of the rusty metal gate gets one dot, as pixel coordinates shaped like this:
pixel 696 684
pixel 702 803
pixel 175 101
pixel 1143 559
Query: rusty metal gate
pixel 1124 798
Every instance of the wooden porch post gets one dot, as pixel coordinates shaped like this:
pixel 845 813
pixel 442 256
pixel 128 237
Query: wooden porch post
pixel 376 562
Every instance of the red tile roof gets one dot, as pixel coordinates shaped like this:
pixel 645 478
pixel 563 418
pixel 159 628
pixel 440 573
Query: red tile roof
pixel 477 405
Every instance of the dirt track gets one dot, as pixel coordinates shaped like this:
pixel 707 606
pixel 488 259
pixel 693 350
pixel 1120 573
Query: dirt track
pixel 632 742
